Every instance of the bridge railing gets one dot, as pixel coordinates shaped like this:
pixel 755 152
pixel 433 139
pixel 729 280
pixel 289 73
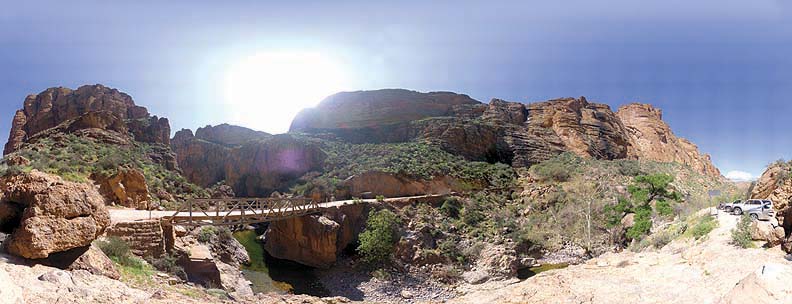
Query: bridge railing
pixel 238 211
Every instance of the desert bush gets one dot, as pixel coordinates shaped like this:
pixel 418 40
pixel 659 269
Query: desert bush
pixel 449 249
pixel 702 227
pixel 379 237
pixel 118 250
pixel 451 207
pixel 741 235
pixel 380 198
pixel 168 263
pixel 206 233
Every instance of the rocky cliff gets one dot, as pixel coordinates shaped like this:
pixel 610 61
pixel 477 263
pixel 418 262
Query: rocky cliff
pixel 509 132
pixel 98 134
pixel 54 106
pixel 652 139
pixel 253 163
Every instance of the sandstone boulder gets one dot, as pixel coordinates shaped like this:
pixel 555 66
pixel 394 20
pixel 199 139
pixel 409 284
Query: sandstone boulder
pixel 96 262
pixel 768 284
pixel 56 215
pixel 765 231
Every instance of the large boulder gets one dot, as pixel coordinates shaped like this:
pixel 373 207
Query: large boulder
pixel 55 216
pixel 652 139
pixel 54 106
pixel 768 284
pixel 766 231
pixel 316 240
pixel 96 262
pixel 308 240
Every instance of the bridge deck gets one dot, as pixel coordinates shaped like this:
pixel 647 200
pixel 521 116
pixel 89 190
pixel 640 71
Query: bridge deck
pixel 234 217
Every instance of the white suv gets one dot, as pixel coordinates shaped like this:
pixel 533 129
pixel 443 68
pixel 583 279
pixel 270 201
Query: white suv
pixel 751 204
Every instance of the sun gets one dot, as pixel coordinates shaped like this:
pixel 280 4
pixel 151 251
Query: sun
pixel 266 90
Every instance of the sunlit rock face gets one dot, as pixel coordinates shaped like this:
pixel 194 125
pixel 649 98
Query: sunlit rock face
pixel 652 139
pixel 253 163
pixel 54 106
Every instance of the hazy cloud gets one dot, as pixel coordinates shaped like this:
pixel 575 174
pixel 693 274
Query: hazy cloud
pixel 740 176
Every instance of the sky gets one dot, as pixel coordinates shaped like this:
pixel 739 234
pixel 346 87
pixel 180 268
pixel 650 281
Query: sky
pixel 720 70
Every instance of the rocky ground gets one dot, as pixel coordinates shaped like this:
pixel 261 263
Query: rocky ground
pixel 710 270
pixel 357 283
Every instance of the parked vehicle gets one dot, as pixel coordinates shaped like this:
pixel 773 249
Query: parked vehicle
pixel 739 208
pixel 728 206
pixel 764 213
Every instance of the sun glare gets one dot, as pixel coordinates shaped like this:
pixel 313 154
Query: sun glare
pixel 266 90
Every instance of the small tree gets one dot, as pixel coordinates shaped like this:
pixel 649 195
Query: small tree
pixel 644 191
pixel 741 235
pixel 379 237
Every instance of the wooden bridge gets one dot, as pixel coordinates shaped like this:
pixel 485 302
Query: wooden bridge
pixel 243 211
pixel 240 211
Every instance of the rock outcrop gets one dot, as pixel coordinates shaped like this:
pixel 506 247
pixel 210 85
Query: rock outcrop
pixel 775 184
pixel 316 240
pixel 54 106
pixel 53 215
pixel 253 163
pixel 127 187
pixel 652 139
pixel 373 109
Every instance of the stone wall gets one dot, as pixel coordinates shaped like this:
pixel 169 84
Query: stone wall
pixel 145 238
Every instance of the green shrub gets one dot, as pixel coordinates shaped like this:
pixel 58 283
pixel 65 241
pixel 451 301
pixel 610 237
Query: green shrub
pixel 703 226
pixel 448 248
pixel 741 235
pixel 168 263
pixel 206 233
pixel 379 237
pixel 114 247
pixel 451 207
pixel 380 198
pixel 118 251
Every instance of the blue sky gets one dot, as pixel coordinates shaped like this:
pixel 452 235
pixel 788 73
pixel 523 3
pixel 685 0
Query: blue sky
pixel 720 70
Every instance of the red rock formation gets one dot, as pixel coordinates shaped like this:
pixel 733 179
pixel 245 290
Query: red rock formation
pixel 54 106
pixel 510 132
pixel 652 139
pixel 253 163
pixel 260 167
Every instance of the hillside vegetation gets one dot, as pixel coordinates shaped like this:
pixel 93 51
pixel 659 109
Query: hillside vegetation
pixel 78 158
